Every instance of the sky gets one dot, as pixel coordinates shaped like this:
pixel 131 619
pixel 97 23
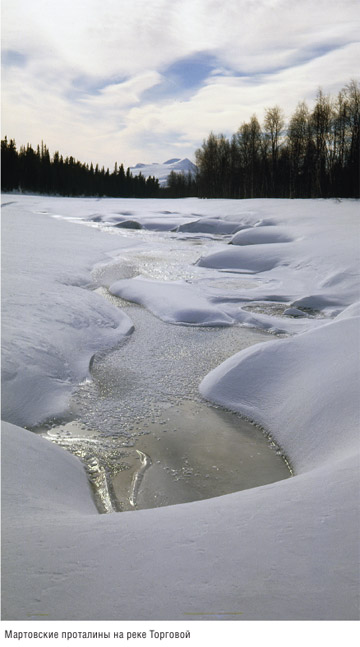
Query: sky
pixel 147 80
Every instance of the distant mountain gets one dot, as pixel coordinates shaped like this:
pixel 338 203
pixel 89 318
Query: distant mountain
pixel 173 160
pixel 162 171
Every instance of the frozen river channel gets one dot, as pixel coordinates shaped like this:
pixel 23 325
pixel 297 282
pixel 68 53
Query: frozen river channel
pixel 140 427
pixel 120 342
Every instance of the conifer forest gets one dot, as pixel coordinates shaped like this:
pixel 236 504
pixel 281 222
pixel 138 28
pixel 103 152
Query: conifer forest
pixel 314 154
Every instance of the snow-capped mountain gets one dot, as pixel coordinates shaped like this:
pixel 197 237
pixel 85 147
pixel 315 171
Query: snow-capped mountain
pixel 162 171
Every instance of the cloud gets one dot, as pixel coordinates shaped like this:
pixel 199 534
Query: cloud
pixel 12 58
pixel 224 102
pixel 134 81
pixel 182 77
pixel 119 95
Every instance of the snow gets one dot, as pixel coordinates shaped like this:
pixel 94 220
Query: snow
pixel 49 477
pixel 172 302
pixel 255 259
pixel 260 235
pixel 284 551
pixel 284 376
pixel 210 225
pixel 162 171
pixel 52 324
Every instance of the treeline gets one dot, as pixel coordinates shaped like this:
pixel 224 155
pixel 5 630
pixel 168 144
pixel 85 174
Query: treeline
pixel 315 156
pixel 35 171
pixel 180 185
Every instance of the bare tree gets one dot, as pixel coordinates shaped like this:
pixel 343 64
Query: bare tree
pixel 274 124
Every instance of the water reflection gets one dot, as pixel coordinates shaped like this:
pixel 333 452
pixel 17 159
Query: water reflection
pixel 191 451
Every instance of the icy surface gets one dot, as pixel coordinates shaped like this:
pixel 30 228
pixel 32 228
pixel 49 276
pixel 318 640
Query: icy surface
pixel 288 550
pixel 144 375
pixel 143 397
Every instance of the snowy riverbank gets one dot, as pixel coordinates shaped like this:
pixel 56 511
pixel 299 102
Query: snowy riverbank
pixel 284 551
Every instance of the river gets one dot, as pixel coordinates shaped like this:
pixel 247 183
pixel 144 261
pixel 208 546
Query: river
pixel 139 425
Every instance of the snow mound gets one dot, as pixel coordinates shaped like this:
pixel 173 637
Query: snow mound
pixel 294 312
pixel 128 224
pixel 52 323
pixel 59 475
pixel 299 391
pixel 173 302
pixel 318 302
pixel 255 259
pixel 210 226
pixel 260 236
pixel 351 311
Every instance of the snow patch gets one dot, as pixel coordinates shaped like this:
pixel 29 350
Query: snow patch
pixel 260 236
pixel 305 395
pixel 173 302
pixel 256 259
pixel 210 226
pixel 52 322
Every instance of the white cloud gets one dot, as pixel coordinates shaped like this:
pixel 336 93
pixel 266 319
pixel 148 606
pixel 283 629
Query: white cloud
pixel 89 62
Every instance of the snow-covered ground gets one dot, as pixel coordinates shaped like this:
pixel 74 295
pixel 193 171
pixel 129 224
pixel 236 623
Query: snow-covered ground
pixel 284 551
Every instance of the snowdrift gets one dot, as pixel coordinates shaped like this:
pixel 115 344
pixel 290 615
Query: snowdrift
pixel 285 551
pixel 298 390
pixel 172 302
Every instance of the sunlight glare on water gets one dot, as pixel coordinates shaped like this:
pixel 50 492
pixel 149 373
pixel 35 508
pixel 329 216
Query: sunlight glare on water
pixel 140 427
pixel 144 434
